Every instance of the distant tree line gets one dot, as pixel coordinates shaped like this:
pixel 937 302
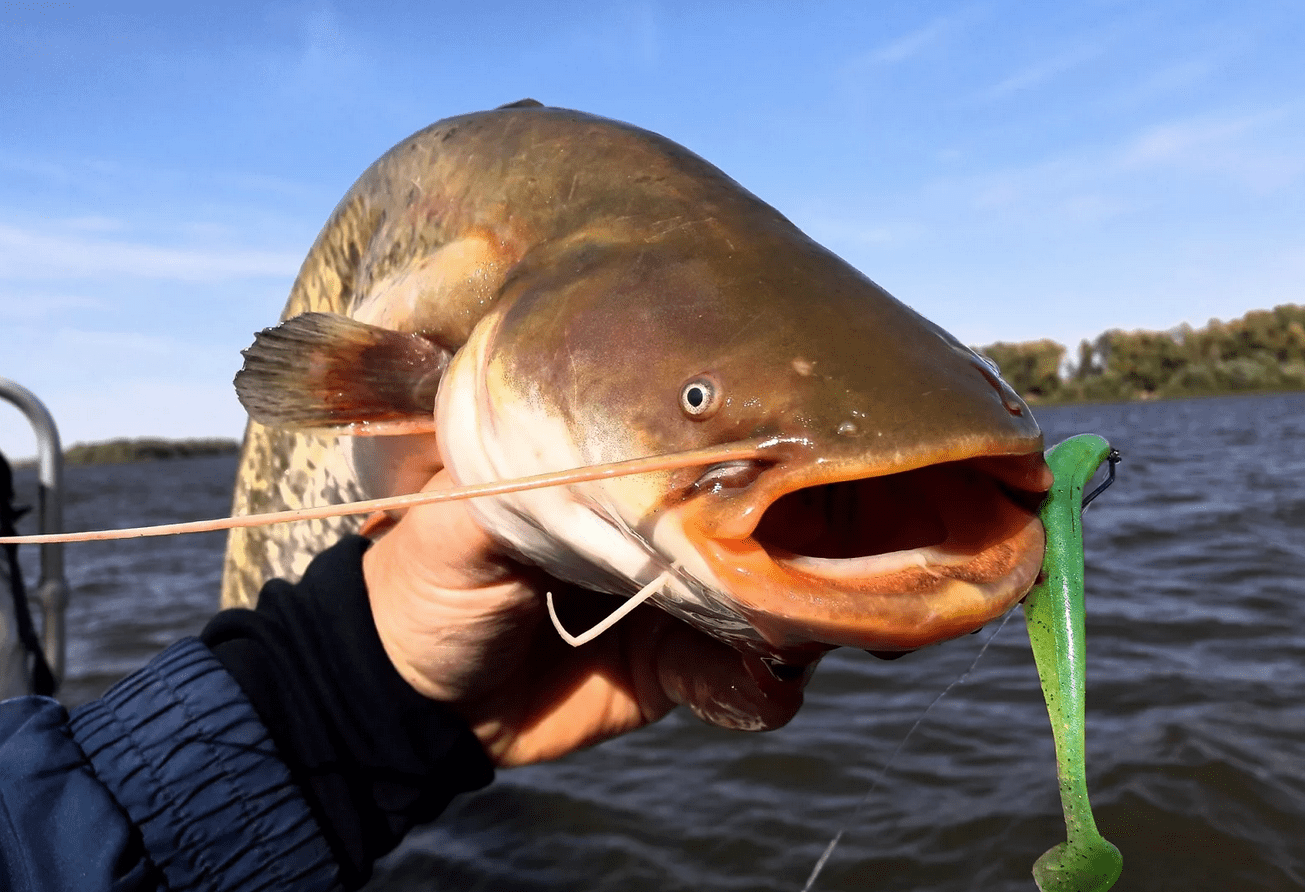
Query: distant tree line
pixel 1264 350
pixel 112 452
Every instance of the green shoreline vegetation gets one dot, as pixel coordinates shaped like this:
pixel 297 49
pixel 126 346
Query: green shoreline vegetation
pixel 133 449
pixel 119 451
pixel 1262 351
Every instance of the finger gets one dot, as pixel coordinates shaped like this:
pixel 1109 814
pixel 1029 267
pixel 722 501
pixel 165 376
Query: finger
pixel 449 547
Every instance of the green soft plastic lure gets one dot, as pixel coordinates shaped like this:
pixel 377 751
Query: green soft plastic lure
pixel 1086 861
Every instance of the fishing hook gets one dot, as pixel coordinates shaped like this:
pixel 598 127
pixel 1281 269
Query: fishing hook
pixel 1114 458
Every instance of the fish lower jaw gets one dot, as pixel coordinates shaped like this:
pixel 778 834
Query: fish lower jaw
pixel 896 601
pixel 930 560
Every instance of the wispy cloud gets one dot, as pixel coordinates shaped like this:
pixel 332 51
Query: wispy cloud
pixel 1181 76
pixel 94 359
pixel 94 223
pixel 28 254
pixel 1044 70
pixel 36 167
pixel 101 383
pixel 914 43
pixel 88 343
pixel 328 53
pixel 1236 147
pixel 1089 184
pixel 262 184
pixel 31 307
pixel 1178 140
pixel 1078 187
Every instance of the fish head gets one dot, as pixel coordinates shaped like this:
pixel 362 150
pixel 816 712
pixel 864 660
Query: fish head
pixel 892 502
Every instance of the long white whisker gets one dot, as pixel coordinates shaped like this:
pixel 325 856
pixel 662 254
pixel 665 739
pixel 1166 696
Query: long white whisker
pixel 612 618
pixel 649 464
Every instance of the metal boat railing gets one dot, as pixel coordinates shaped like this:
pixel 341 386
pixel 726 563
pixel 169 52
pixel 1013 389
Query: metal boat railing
pixel 52 590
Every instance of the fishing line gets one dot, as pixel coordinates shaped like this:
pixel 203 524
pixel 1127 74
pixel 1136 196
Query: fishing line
pixel 833 843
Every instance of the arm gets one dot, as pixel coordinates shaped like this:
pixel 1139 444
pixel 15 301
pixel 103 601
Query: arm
pixel 141 788
pixel 285 754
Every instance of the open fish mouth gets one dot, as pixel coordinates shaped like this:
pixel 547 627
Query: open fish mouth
pixel 891 562
pixel 854 525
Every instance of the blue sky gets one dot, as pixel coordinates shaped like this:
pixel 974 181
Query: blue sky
pixel 1011 170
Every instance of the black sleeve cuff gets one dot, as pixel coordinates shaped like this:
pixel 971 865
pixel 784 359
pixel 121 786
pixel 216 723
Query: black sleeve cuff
pixel 372 756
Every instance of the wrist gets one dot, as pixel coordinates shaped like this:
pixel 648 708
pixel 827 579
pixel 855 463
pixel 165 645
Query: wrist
pixel 382 575
pixel 451 616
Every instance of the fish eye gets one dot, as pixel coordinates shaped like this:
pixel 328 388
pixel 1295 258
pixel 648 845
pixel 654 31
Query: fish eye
pixel 700 397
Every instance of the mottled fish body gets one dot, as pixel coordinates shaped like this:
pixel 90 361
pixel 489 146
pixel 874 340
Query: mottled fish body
pixel 531 289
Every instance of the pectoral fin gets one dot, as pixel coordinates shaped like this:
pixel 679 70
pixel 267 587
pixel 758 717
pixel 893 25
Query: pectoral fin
pixel 328 372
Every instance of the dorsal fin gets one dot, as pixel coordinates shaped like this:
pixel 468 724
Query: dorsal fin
pixel 325 371
pixel 523 103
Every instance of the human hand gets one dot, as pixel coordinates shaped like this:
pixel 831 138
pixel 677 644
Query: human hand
pixel 465 624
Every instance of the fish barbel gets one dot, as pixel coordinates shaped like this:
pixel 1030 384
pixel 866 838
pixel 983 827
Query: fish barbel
pixel 530 289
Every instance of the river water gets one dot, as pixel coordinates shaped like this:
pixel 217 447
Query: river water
pixel 1196 702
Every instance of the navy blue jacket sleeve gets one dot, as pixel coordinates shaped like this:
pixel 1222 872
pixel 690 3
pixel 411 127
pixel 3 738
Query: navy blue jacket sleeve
pixel 282 751
pixel 169 781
